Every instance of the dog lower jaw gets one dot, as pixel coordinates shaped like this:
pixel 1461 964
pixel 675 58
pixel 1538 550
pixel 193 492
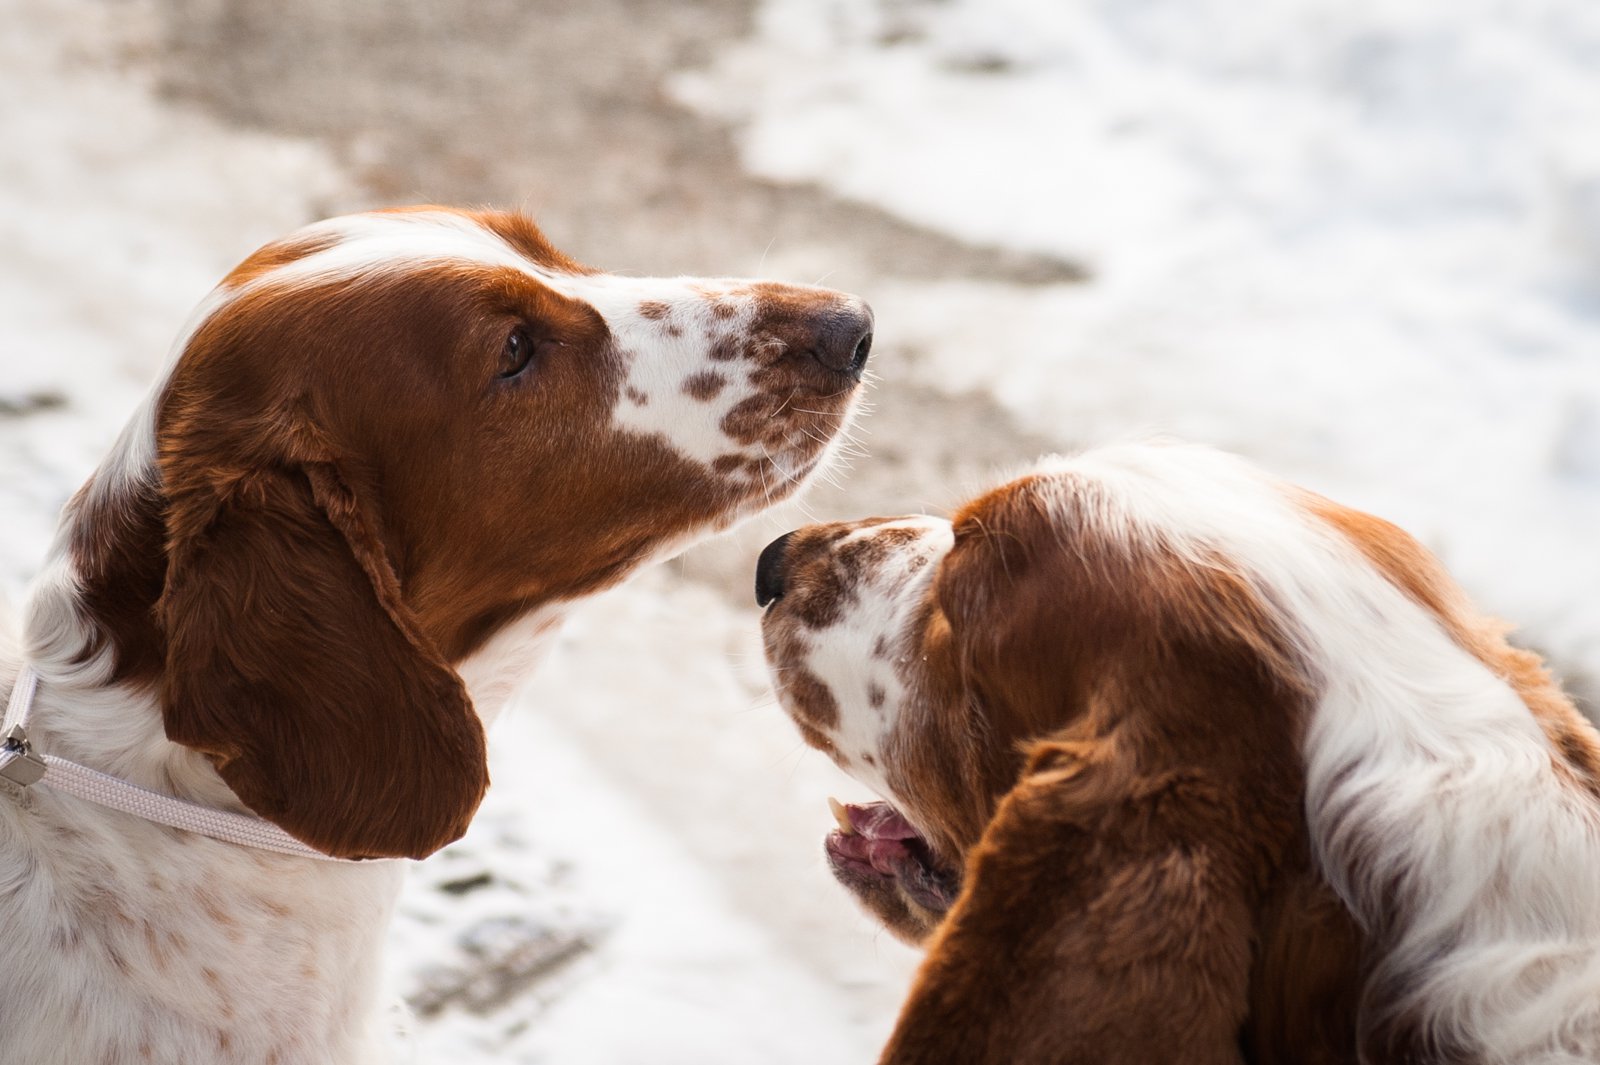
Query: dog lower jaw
pixel 882 851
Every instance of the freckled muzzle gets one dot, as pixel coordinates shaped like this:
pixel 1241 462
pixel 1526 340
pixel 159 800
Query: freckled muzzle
pixel 774 385
pixel 805 583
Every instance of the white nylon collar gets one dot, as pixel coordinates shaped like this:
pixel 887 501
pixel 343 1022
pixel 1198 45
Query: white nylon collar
pixel 23 766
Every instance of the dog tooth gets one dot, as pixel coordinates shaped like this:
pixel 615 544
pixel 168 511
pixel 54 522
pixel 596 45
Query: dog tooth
pixel 841 815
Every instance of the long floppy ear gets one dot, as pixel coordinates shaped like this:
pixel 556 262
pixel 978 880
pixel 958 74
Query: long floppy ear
pixel 1106 919
pixel 292 661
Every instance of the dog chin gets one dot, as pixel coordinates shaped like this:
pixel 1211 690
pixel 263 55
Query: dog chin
pixel 890 867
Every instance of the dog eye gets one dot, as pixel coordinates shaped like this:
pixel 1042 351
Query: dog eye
pixel 517 354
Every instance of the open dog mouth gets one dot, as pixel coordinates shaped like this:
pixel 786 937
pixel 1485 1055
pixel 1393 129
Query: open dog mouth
pixel 875 842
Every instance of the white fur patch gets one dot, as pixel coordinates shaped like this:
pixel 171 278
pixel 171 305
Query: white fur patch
pixel 844 656
pixel 495 671
pixel 665 354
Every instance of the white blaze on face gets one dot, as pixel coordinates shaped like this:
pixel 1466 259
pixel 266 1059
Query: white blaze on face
pixel 863 658
pixel 684 344
pixel 695 351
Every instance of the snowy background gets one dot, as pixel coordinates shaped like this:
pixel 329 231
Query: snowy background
pixel 1356 240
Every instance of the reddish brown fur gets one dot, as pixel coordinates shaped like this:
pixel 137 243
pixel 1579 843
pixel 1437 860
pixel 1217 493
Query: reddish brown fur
pixel 704 386
pixel 267 607
pixel 810 700
pixel 521 233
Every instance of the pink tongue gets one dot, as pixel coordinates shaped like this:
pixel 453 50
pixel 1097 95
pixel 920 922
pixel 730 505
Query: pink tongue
pixel 880 837
pixel 879 821
pixel 884 855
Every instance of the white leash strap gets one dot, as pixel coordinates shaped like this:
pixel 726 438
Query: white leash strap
pixel 23 766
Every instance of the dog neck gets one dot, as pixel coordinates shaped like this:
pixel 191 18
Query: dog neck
pixel 174 936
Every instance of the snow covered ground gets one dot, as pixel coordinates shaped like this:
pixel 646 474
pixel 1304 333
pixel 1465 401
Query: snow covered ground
pixel 1358 240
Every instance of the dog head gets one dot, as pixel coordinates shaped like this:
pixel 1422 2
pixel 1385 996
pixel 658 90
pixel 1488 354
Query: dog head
pixel 386 438
pixel 929 658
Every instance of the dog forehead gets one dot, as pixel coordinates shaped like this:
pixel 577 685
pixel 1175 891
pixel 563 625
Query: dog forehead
pixel 380 243
pixel 678 335
pixel 883 567
pixel 884 551
pixel 372 244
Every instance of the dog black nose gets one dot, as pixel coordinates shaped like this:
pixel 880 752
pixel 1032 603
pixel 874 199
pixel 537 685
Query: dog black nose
pixel 844 338
pixel 770 570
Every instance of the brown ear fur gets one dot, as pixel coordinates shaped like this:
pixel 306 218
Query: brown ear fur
pixel 1106 918
pixel 293 662
pixel 1112 906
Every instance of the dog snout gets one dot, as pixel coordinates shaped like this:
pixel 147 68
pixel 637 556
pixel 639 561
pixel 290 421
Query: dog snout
pixel 772 570
pixel 844 338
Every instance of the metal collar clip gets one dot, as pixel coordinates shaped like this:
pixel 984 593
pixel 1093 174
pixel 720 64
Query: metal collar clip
pixel 18 763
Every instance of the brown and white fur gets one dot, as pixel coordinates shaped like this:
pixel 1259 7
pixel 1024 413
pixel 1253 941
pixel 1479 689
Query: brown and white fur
pixel 1183 763
pixel 387 453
